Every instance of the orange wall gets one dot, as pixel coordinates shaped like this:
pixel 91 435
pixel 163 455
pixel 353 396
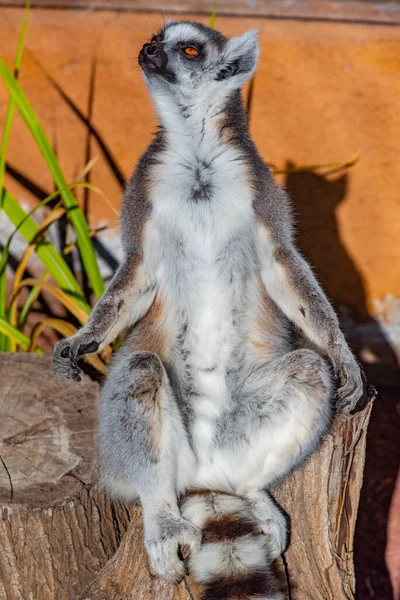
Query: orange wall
pixel 323 93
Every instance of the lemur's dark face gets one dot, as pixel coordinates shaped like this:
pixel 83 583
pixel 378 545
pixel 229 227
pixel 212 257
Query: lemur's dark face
pixel 189 57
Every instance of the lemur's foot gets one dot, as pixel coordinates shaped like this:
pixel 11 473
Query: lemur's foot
pixel 276 531
pixel 352 388
pixel 66 353
pixel 273 523
pixel 171 535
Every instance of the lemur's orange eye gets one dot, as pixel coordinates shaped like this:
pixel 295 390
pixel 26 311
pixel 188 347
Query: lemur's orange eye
pixel 190 51
pixel 153 40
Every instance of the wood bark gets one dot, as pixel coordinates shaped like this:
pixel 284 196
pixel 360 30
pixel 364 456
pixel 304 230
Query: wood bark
pixel 60 539
pixel 321 499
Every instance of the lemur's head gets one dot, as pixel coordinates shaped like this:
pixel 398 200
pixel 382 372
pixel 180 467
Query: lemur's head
pixel 189 59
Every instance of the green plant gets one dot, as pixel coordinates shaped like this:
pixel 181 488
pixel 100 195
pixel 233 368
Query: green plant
pixel 66 289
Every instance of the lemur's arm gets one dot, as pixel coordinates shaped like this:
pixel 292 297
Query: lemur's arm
pixel 126 300
pixel 131 291
pixel 290 282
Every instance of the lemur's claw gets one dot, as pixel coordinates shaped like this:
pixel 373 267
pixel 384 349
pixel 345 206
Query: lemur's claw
pixel 66 354
pixel 65 359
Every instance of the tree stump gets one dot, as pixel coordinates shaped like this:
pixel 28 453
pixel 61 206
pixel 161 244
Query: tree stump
pixel 59 536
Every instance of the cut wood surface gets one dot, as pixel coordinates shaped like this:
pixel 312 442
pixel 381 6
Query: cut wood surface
pixel 61 539
pixel 46 432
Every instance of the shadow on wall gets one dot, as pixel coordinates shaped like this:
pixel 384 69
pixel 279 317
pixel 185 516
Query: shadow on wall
pixel 316 198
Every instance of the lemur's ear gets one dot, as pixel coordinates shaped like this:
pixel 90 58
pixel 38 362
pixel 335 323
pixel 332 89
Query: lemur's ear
pixel 240 58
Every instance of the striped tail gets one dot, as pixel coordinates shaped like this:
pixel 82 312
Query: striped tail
pixel 233 561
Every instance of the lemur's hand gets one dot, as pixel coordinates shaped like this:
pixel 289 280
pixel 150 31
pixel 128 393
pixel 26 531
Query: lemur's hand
pixel 66 353
pixel 352 382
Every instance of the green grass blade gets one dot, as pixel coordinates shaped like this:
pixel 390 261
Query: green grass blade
pixel 4 345
pixel 32 212
pixel 53 262
pixel 76 215
pixel 30 301
pixel 211 22
pixel 10 108
pixel 4 341
pixel 14 334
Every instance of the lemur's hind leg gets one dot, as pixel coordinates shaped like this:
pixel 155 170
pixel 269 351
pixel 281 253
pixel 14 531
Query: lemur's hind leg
pixel 140 433
pixel 290 403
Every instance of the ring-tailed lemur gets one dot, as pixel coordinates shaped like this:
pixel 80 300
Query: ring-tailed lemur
pixel 223 383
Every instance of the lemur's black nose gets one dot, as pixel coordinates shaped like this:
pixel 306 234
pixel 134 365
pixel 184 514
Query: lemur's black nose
pixel 150 49
pixel 154 56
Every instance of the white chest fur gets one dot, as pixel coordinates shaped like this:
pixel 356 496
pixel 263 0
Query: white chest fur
pixel 201 202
